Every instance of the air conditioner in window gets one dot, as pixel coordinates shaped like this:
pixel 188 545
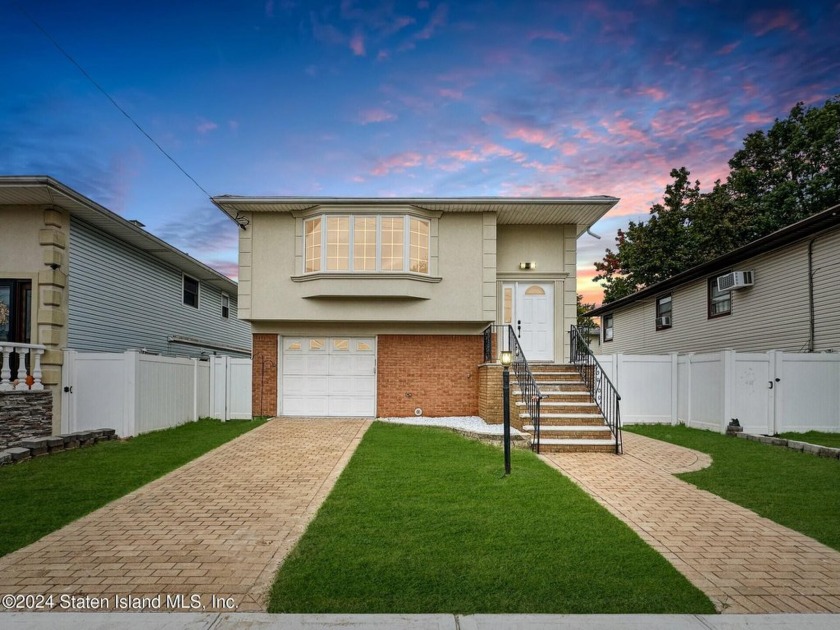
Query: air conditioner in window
pixel 664 321
pixel 735 280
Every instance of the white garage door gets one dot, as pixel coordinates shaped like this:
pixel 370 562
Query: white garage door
pixel 328 376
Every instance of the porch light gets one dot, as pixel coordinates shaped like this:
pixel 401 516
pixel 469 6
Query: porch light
pixel 527 265
pixel 506 358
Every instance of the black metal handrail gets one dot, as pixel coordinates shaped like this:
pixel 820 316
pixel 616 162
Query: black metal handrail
pixel 600 386
pixel 528 387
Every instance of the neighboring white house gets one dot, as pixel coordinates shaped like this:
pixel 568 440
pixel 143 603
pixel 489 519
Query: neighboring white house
pixel 788 299
pixel 376 307
pixel 76 276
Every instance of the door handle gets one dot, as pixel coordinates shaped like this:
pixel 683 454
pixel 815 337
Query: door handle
pixel 69 390
pixel 518 327
pixel 771 384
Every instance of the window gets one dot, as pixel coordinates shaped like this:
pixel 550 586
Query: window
pixel 312 230
pixel 383 243
pixel 190 291
pixel 663 312
pixel 720 302
pixel 607 325
pixel 225 305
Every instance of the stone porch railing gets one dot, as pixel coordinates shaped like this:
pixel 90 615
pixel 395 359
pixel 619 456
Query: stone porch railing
pixel 22 380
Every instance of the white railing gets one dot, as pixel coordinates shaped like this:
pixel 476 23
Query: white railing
pixel 21 381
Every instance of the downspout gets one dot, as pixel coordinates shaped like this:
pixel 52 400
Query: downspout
pixel 811 317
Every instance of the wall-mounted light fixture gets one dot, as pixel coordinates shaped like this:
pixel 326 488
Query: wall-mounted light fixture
pixel 527 265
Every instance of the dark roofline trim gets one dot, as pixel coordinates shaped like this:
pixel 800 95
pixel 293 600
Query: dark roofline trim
pixel 814 224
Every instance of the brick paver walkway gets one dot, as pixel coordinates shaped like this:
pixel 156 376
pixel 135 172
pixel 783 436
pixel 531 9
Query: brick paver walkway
pixel 743 562
pixel 219 526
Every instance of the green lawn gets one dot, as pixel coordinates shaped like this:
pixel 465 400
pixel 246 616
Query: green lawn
pixel 814 437
pixel 798 490
pixel 423 521
pixel 44 494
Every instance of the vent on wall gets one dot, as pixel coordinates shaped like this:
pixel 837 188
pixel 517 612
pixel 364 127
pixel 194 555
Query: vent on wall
pixel 735 280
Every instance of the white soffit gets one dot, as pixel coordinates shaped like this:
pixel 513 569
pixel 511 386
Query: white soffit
pixel 579 211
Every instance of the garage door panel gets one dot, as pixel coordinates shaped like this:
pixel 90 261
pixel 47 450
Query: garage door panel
pixel 364 385
pixel 329 376
pixel 306 406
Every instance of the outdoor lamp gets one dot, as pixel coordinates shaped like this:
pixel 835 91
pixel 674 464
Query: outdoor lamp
pixel 506 358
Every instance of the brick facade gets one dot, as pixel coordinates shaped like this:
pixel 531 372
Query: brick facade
pixel 490 395
pixel 437 373
pixel 264 375
pixel 25 415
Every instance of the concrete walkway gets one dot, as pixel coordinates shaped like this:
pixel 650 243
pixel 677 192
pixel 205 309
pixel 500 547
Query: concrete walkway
pixel 216 529
pixel 263 621
pixel 743 562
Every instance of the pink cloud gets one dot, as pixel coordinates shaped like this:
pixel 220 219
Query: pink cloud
pixel 757 118
pixel 657 94
pixel 383 55
pixel 722 133
pixel 728 49
pixel 554 36
pixel 622 132
pixel 357 44
pixel 376 115
pixel 398 162
pixel 765 21
pixel 206 126
pixel 532 135
pixel 455 95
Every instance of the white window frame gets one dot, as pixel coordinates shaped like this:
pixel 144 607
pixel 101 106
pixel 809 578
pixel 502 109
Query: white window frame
pixel 609 331
pixel 197 291
pixel 225 296
pixel 406 243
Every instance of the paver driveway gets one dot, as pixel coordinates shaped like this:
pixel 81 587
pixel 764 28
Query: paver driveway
pixel 743 562
pixel 218 526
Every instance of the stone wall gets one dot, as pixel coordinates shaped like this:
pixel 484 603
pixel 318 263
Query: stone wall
pixel 25 415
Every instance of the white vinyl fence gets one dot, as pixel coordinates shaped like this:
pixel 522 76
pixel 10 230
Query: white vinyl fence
pixel 135 393
pixel 768 392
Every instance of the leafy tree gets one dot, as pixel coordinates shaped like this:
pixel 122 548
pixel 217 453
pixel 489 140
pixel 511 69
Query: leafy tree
pixel 582 309
pixel 617 281
pixel 780 176
pixel 791 171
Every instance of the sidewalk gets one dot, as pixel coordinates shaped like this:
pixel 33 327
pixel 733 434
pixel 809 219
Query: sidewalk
pixel 217 528
pixel 743 562
pixel 263 621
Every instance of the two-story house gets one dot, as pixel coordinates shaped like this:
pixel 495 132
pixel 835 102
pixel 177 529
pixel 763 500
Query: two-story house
pixel 376 307
pixel 76 276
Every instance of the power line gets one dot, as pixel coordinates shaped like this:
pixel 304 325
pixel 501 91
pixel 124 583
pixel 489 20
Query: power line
pixel 109 97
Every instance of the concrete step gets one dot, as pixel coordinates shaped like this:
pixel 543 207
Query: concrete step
pixel 552 415
pixel 577 432
pixel 549 445
pixel 546 406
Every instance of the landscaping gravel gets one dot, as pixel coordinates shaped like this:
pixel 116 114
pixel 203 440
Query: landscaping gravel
pixel 472 424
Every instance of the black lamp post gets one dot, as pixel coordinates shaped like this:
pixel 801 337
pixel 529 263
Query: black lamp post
pixel 506 358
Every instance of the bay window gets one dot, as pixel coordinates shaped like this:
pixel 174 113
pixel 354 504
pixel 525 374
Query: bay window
pixel 366 243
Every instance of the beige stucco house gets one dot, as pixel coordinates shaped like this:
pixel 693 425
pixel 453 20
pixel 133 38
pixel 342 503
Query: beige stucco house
pixel 376 307
pixel 788 298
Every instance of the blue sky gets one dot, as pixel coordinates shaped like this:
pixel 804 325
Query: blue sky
pixel 422 98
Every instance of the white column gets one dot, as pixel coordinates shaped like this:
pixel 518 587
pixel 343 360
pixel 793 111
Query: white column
pixel 5 371
pixel 36 370
pixel 21 373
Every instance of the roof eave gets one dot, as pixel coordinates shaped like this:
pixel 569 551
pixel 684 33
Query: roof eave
pixel 155 247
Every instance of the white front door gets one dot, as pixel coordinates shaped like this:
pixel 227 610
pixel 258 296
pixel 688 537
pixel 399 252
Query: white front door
pixel 529 308
pixel 328 376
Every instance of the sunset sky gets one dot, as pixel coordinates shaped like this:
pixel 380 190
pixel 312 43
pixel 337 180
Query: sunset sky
pixel 423 98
